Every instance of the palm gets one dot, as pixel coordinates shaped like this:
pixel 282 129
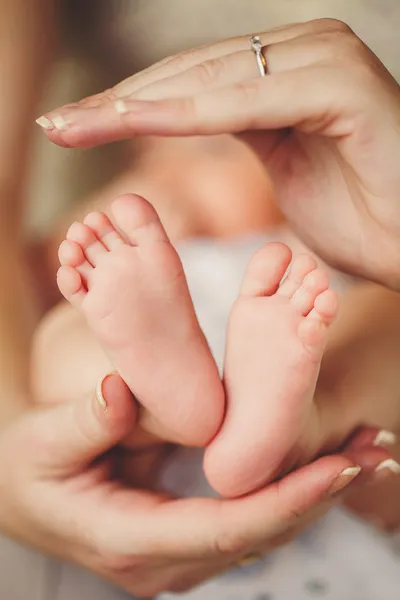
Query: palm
pixel 339 175
pixel 108 514
pixel 319 191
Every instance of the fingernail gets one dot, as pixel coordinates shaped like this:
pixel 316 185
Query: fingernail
pixel 60 123
pixel 389 464
pixel 249 560
pixel 45 123
pixel 99 391
pixel 343 480
pixel 385 438
pixel 120 106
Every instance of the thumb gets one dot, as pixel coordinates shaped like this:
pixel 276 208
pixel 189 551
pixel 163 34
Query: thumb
pixel 70 436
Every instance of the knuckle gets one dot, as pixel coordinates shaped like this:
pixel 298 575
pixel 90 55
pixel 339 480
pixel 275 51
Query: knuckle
pixel 330 24
pixel 365 73
pixel 290 512
pixel 181 61
pixel 227 543
pixel 186 107
pixel 249 92
pixel 355 47
pixel 110 94
pixel 105 554
pixel 209 71
pixel 343 46
pixel 115 564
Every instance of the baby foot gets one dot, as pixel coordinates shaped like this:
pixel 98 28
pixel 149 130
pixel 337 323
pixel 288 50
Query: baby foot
pixel 276 338
pixel 131 288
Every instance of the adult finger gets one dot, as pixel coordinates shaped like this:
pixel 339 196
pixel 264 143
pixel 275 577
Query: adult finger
pixel 287 54
pixel 372 436
pixel 207 54
pixel 72 435
pixel 215 527
pixel 311 98
pixel 205 66
pixel 374 451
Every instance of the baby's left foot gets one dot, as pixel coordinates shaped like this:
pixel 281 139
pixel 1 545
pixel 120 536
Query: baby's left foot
pixel 129 285
pixel 276 338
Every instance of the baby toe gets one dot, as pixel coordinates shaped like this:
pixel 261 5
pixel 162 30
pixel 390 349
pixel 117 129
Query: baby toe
pixel 84 235
pixel 70 285
pixel 73 255
pixel 266 270
pixel 70 254
pixel 314 335
pixel 326 307
pixel 313 284
pixel 104 230
pixel 301 266
pixel 138 220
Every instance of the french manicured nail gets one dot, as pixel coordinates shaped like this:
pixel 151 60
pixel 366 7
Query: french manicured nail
pixel 120 106
pixel 385 438
pixel 60 123
pixel 343 480
pixel 389 464
pixel 99 391
pixel 45 123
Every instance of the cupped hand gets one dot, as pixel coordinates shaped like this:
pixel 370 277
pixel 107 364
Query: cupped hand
pixel 61 493
pixel 325 121
pixel 379 501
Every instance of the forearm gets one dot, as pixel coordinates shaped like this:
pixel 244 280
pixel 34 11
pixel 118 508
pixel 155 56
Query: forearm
pixel 26 47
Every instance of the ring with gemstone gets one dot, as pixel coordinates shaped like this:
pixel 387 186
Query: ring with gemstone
pixel 256 46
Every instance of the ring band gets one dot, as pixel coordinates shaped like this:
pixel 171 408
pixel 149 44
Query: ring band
pixel 256 47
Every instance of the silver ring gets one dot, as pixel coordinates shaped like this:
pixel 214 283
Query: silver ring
pixel 256 47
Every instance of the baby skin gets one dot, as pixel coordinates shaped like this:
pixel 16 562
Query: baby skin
pixel 130 286
pixel 128 282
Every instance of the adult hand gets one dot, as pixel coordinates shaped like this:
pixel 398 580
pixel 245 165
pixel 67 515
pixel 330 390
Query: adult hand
pixel 60 492
pixel 325 121
pixel 379 503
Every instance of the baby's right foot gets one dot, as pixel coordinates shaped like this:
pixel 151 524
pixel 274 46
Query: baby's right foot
pixel 133 292
pixel 276 339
